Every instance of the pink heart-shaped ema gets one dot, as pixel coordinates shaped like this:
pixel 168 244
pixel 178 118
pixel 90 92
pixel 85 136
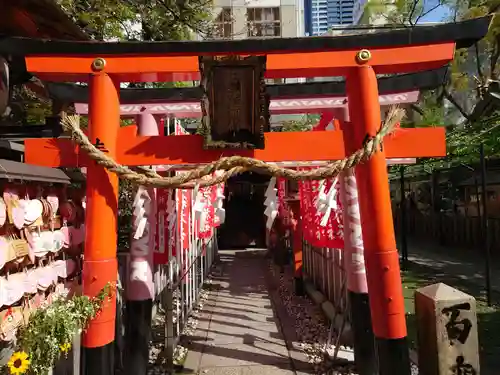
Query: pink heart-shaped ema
pixel 59 267
pixel 13 288
pixel 66 237
pixel 33 210
pixel 31 246
pixel 18 217
pixel 59 239
pixel 4 246
pixel 45 277
pixel 36 244
pixel 31 282
pixel 9 194
pixel 3 212
pixel 53 201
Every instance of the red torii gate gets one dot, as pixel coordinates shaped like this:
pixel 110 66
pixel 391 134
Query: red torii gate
pixel 357 57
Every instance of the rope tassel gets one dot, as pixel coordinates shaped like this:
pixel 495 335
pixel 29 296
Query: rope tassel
pixel 232 165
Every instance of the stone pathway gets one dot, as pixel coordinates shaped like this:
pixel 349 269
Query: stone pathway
pixel 241 330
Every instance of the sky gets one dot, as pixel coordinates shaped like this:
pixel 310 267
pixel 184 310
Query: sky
pixel 437 15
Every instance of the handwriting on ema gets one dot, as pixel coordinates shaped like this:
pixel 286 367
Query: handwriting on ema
pixel 458 330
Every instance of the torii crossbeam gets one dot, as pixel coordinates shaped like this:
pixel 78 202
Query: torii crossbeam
pixel 357 57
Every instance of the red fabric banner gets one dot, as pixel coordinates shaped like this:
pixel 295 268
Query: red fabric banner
pixel 183 217
pixel 282 207
pixel 216 189
pixel 331 235
pixel 160 255
pixel 206 195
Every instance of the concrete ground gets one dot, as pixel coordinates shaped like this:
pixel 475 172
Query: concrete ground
pixel 468 265
pixel 244 329
pixel 463 269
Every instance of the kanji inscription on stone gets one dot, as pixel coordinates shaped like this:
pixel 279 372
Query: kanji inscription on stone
pixel 447 331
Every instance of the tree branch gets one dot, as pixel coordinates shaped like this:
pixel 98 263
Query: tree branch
pixel 412 11
pixel 452 100
pixel 417 109
pixel 423 14
pixel 494 59
pixel 478 64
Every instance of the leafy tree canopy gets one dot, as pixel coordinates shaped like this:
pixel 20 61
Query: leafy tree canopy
pixel 149 20
pixel 305 123
pixel 468 103
pixel 140 19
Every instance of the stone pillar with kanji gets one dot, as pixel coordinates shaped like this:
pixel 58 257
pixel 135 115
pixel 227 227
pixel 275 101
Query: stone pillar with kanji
pixel 447 331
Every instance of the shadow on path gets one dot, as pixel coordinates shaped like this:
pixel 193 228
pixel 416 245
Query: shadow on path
pixel 240 330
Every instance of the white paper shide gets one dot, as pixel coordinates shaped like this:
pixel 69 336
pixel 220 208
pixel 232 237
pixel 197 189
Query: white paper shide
pixel 141 235
pixel 271 203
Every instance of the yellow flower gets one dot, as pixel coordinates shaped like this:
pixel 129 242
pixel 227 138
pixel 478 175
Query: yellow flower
pixel 65 347
pixel 18 363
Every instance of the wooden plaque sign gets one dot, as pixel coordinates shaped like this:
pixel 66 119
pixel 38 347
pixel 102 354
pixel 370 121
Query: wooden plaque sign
pixel 235 105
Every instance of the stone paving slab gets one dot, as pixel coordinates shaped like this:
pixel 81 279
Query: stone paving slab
pixel 217 334
pixel 248 370
pixel 252 320
pixel 223 355
pixel 239 331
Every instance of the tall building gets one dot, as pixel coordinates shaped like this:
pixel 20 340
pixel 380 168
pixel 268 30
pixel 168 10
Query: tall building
pixel 240 19
pixel 320 15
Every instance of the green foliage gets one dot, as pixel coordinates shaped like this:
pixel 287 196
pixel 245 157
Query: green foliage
pixel 159 19
pixel 26 108
pixel 125 199
pixel 428 112
pixel 150 20
pixel 473 116
pixel 304 124
pixel 51 330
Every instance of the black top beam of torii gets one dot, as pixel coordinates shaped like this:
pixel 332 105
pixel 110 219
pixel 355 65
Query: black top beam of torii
pixel 427 80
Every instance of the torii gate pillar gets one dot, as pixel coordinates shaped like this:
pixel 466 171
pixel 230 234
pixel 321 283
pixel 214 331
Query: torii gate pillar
pixel 100 265
pixel 365 356
pixel 381 256
pixel 140 284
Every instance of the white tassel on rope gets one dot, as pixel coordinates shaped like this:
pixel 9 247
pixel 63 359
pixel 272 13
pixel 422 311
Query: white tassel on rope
pixel 271 203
